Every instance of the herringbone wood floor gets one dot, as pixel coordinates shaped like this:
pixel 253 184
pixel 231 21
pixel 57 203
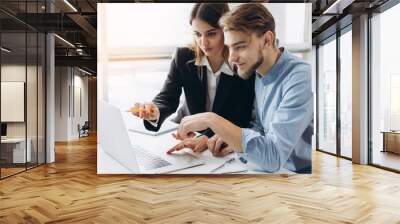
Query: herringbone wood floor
pixel 70 191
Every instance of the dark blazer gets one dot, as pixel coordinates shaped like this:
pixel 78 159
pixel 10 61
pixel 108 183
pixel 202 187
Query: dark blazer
pixel 233 99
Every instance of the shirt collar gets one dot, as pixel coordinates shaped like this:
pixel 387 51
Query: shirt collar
pixel 276 68
pixel 224 67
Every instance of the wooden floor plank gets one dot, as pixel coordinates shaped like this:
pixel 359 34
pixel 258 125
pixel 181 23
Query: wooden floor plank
pixel 70 191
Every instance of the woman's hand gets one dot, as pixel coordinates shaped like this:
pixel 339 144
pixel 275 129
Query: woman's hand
pixel 197 145
pixel 146 111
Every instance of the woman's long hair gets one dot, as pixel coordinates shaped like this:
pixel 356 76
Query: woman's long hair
pixel 209 13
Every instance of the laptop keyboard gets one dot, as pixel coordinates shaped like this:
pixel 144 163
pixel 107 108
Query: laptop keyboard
pixel 147 160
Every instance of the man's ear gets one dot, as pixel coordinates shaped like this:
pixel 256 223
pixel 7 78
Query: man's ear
pixel 269 38
pixel 265 37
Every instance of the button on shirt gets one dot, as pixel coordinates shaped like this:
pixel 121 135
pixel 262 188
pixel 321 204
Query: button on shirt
pixel 281 132
pixel 213 80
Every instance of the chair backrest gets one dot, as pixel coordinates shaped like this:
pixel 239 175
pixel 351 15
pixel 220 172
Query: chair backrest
pixel 86 125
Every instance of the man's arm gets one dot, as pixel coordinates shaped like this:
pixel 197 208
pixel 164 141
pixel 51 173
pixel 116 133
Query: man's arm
pixel 228 131
pixel 270 150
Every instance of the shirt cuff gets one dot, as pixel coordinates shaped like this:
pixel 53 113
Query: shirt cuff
pixel 154 123
pixel 242 157
pixel 246 136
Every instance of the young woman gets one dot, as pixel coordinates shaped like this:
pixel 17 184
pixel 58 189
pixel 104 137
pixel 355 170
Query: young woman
pixel 209 83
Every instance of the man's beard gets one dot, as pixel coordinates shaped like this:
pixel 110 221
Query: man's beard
pixel 248 73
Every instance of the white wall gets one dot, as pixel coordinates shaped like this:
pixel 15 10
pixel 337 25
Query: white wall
pixel 69 82
pixel 62 80
pixel 79 117
pixel 16 73
pixel 33 126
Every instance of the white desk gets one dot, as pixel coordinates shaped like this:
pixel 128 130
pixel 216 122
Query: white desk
pixel 159 145
pixel 18 150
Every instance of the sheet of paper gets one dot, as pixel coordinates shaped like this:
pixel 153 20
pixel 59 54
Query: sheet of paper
pixel 135 124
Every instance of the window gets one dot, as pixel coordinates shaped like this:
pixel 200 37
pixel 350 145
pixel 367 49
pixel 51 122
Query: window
pixel 385 89
pixel 22 65
pixel 346 94
pixel 327 97
pixel 168 26
pixel 166 29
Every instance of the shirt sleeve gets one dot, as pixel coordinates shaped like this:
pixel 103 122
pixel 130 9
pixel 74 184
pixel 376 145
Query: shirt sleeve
pixel 256 126
pixel 167 100
pixel 271 150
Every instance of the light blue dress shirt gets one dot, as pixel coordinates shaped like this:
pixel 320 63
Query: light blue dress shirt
pixel 281 132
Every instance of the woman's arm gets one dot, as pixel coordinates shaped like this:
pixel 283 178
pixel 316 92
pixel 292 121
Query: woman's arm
pixel 167 100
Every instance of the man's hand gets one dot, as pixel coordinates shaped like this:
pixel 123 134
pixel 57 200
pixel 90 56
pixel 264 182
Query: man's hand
pixel 146 111
pixel 193 123
pixel 196 144
pixel 229 132
pixel 218 147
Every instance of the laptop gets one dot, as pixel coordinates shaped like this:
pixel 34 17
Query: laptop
pixel 114 139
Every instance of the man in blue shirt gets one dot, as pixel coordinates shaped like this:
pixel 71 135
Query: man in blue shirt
pixel 282 129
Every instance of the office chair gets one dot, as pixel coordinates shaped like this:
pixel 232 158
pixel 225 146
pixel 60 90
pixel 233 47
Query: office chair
pixel 84 130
